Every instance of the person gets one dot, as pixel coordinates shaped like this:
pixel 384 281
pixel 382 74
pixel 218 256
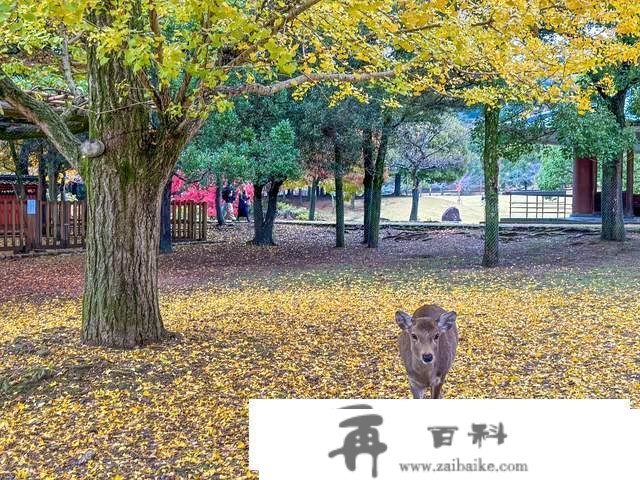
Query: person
pixel 244 204
pixel 228 196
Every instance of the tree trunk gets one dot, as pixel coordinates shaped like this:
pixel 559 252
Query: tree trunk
pixel 629 212
pixel 42 174
pixel 367 156
pixel 611 206
pixel 124 185
pixel 313 193
pixel 339 197
pixel 219 211
pixel 52 188
pixel 415 198
pixel 263 222
pixel 120 307
pixel 378 180
pixel 21 168
pixel 491 174
pixel 165 219
pixel 398 185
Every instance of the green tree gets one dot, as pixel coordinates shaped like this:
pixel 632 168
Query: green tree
pixel 433 151
pixel 598 134
pixel 273 159
pixel 556 169
pixel 153 72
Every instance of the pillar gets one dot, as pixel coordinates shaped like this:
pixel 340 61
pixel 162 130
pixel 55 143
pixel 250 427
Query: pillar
pixel 584 186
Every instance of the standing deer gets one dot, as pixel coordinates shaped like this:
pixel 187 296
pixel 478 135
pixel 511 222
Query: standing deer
pixel 428 345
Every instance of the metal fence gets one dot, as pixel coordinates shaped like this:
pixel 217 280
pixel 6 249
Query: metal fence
pixel 539 204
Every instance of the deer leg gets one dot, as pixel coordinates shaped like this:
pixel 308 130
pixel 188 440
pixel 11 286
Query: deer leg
pixel 436 392
pixel 416 390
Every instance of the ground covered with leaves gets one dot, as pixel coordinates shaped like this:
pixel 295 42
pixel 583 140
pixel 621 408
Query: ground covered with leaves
pixel 303 320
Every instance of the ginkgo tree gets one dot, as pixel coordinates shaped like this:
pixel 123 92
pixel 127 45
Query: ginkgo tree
pixel 492 53
pixel 146 74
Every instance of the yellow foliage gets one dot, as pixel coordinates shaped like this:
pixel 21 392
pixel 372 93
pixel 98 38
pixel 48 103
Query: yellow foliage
pixel 182 406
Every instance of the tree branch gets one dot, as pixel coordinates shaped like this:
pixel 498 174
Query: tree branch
pixel 267 90
pixel 43 116
pixel 66 67
pixel 276 27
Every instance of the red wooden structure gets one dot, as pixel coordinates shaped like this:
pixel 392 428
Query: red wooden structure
pixel 32 224
pixel 586 198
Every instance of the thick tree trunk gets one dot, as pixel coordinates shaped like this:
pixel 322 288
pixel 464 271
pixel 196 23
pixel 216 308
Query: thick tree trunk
pixel 398 185
pixel 629 212
pixel 491 173
pixel 313 194
pixel 120 307
pixel 339 181
pixel 367 156
pixel 415 199
pixel 263 221
pixel 611 206
pixel 219 211
pixel 124 186
pixel 378 180
pixel 165 219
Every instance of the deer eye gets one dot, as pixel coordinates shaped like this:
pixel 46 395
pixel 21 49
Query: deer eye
pixel 437 336
pixel 414 336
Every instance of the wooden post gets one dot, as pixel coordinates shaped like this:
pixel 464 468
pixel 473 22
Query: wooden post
pixel 32 235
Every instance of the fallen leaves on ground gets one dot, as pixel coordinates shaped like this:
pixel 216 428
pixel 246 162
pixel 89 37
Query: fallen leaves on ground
pixel 180 409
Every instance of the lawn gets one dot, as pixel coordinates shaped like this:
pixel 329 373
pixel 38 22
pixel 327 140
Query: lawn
pixel 430 208
pixel 303 320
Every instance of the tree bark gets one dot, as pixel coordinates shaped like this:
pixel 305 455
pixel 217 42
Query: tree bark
pixel 120 307
pixel 378 180
pixel 491 173
pixel 367 156
pixel 263 221
pixel 415 199
pixel 124 186
pixel 339 181
pixel 611 205
pixel 629 212
pixel 398 185
pixel 313 193
pixel 21 167
pixel 165 219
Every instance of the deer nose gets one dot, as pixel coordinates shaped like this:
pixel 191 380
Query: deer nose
pixel 427 358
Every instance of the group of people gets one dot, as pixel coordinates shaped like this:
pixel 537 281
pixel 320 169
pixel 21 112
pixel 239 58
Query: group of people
pixel 229 197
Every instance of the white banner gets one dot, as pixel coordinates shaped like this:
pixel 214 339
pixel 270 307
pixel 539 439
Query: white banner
pixel 414 439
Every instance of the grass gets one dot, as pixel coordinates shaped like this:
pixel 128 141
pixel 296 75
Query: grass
pixel 431 208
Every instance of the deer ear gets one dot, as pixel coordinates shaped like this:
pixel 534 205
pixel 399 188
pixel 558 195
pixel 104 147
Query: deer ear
pixel 405 321
pixel 446 321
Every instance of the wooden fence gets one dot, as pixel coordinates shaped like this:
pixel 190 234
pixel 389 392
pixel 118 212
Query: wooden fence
pixel 32 225
pixel 188 221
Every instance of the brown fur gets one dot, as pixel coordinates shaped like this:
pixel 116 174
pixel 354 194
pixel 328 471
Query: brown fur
pixel 424 323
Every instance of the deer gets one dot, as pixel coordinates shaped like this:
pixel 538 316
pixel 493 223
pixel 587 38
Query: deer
pixel 427 346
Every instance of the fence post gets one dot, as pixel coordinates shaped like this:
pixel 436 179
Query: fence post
pixel 205 220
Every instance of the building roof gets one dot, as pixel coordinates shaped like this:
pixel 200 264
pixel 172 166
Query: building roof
pixel 11 179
